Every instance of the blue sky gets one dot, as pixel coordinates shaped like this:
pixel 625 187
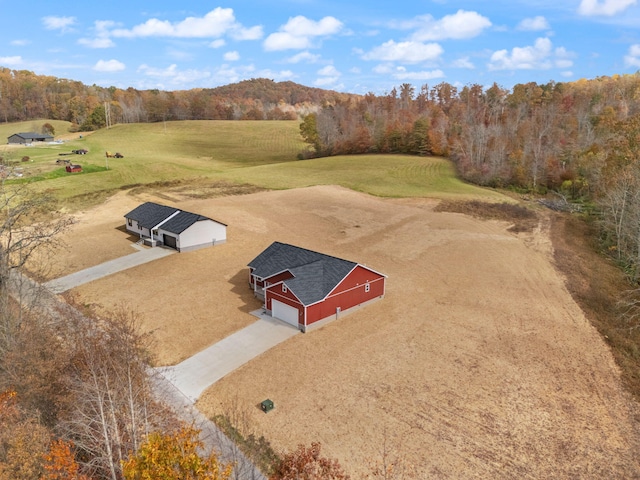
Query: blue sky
pixel 351 46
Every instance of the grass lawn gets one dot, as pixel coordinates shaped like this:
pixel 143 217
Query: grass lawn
pixel 8 129
pixel 261 153
pixel 380 175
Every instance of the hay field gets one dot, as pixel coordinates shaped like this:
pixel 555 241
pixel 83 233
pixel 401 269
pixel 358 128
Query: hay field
pixel 257 153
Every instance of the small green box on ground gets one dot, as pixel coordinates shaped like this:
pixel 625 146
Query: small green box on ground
pixel 266 405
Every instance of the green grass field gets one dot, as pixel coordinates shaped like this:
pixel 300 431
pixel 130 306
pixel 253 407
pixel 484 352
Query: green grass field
pixel 261 153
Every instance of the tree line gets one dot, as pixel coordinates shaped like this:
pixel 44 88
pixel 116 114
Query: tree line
pixel 27 96
pixel 579 140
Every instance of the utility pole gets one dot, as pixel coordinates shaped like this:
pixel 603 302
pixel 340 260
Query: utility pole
pixel 107 114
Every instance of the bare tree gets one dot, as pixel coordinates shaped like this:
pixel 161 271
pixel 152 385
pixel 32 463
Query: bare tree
pixel 30 362
pixel 29 226
pixel 112 407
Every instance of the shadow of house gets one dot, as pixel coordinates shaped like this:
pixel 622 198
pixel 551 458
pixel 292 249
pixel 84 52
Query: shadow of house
pixel 239 284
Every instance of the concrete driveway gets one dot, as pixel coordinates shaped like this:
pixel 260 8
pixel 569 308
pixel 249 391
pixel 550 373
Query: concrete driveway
pixel 143 255
pixel 194 375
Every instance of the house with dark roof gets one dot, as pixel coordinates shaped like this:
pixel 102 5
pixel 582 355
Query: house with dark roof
pixel 29 137
pixel 174 228
pixel 307 289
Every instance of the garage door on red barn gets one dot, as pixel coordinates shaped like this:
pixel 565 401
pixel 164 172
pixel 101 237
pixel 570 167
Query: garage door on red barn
pixel 284 312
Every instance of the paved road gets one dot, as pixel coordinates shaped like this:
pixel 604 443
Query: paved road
pixel 143 255
pixel 210 434
pixel 197 373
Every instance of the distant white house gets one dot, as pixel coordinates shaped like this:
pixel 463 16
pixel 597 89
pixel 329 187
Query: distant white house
pixel 169 226
pixel 29 137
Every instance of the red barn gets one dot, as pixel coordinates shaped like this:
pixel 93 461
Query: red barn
pixel 307 288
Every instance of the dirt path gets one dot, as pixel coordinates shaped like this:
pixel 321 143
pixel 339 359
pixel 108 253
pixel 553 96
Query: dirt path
pixel 477 364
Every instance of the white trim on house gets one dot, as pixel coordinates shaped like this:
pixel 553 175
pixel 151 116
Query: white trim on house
pixel 285 312
pixel 177 212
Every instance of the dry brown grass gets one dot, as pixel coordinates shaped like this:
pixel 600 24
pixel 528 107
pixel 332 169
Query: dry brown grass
pixel 523 219
pixel 476 364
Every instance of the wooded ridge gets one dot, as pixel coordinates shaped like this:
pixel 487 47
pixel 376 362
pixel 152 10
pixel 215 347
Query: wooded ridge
pixel 26 96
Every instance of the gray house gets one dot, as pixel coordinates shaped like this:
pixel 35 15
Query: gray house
pixel 29 137
pixel 169 226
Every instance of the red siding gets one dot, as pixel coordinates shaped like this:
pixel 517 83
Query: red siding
pixel 349 293
pixel 279 277
pixel 271 280
pixel 284 297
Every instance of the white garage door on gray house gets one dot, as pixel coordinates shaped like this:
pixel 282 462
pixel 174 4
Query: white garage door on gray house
pixel 174 228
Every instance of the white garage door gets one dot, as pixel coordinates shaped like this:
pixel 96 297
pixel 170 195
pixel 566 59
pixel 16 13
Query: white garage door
pixel 284 312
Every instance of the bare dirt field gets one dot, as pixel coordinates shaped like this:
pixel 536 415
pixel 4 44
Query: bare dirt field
pixel 476 364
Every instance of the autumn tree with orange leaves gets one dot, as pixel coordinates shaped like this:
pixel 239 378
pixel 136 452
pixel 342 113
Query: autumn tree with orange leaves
pixel 174 456
pixel 60 463
pixel 306 463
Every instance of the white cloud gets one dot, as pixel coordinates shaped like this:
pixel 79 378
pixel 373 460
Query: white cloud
pixel 463 62
pixel 216 23
pixel 383 69
pixel 329 70
pixel 173 75
pixel 15 60
pixel 534 24
pixel 20 43
pixel 299 33
pixel 325 81
pixel 403 74
pixel 303 57
pixel 101 39
pixel 58 23
pixel 178 54
pixel 220 42
pixel 109 66
pixel 606 7
pixel 276 75
pixel 100 42
pixel 329 75
pixel 170 71
pixel 461 25
pixel 231 56
pixel 632 59
pixel 226 74
pixel 252 33
pixel 540 55
pixel 563 63
pixel 563 58
pixel 405 52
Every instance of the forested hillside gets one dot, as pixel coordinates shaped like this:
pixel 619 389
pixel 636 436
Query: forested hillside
pixel 579 140
pixel 26 96
pixel 76 398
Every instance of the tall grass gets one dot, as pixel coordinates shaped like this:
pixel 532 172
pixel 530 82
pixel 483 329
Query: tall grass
pixel 381 175
pixel 261 153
